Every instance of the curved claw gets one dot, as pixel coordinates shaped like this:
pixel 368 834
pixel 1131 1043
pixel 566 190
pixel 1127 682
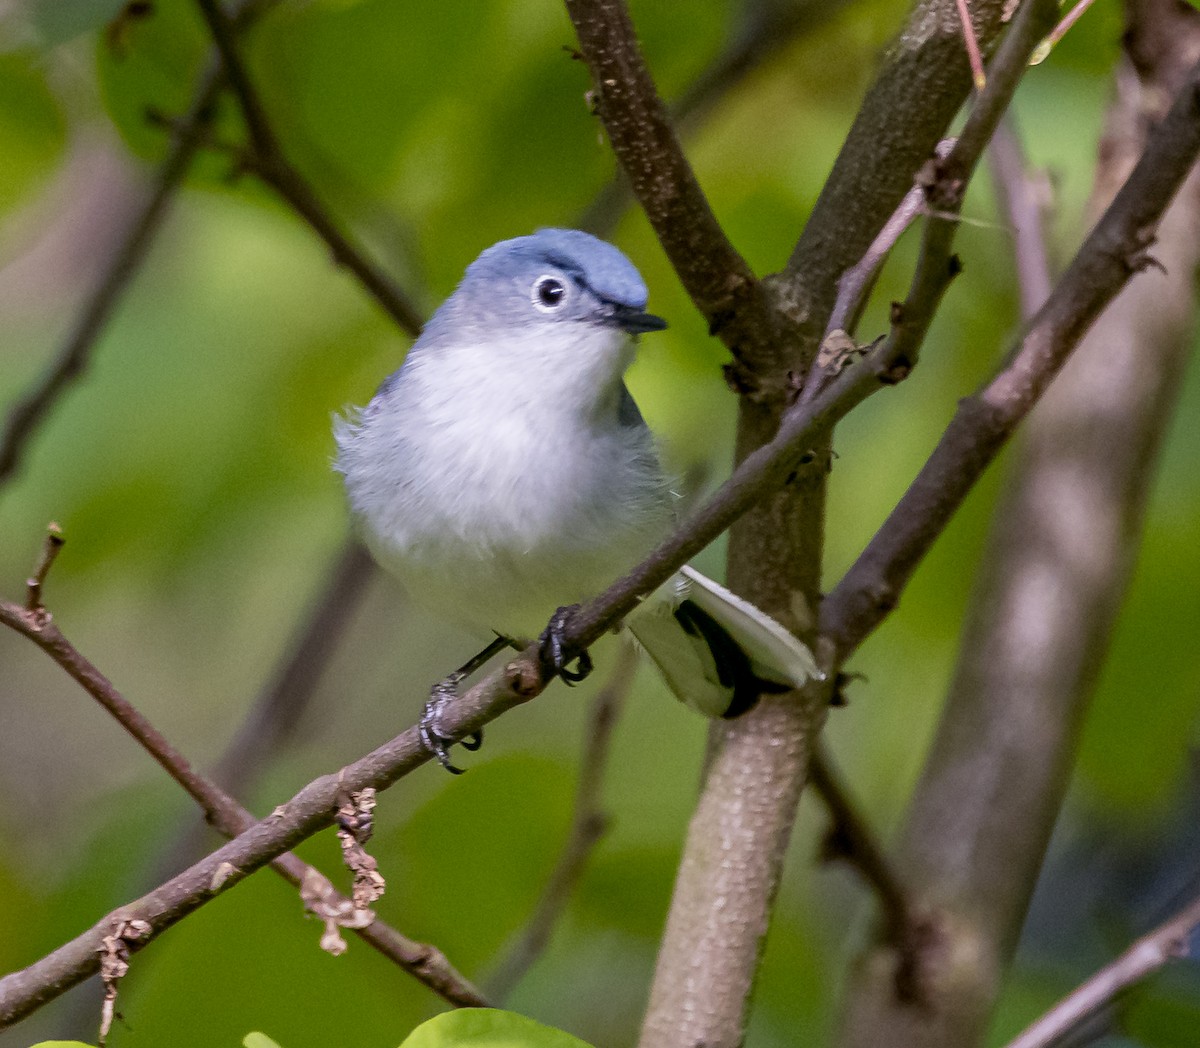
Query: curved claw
pixel 553 653
pixel 583 667
pixel 433 738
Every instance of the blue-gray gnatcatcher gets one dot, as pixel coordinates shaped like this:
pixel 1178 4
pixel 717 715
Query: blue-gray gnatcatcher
pixel 505 471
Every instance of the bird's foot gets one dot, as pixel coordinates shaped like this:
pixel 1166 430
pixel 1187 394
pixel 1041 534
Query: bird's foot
pixel 554 654
pixel 429 726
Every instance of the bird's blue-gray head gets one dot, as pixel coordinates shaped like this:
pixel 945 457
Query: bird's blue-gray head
pixel 552 276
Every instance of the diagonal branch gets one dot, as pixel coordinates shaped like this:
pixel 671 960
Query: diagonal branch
pixel 949 176
pixel 1154 950
pixel 256 845
pixel 426 963
pixel 1105 263
pixel 644 141
pixel 719 281
pixel 221 27
pixel 30 410
pixel 1058 561
pixel 1114 251
pixel 269 162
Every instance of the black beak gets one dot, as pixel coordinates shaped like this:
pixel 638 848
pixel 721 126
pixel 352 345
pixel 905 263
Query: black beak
pixel 635 321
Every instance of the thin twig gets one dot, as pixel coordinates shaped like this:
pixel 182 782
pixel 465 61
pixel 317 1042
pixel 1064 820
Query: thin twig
pixel 33 585
pixel 1021 194
pixel 1167 942
pixel 971 41
pixel 937 192
pixel 224 813
pixel 588 826
pixel 32 408
pixel 1060 30
pixel 1109 257
pixel 268 161
pixel 919 89
pixel 951 175
pixel 221 28
pixel 1115 250
pixel 856 283
pixel 853 841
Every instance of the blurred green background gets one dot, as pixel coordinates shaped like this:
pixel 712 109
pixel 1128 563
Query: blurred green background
pixel 190 471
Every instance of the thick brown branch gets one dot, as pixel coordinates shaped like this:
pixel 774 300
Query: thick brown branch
pixel 764 29
pixel 1052 579
pixel 644 141
pixel 1115 250
pixel 714 274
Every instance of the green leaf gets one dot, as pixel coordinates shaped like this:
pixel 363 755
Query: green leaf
pixel 32 131
pixel 488 1028
pixel 258 1040
pixel 151 68
pixel 64 1044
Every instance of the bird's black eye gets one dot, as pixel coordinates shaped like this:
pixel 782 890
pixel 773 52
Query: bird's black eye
pixel 549 293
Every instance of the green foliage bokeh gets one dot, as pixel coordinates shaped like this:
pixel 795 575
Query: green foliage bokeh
pixel 190 471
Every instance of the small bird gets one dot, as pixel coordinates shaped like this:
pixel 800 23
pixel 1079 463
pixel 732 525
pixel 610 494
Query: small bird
pixel 505 471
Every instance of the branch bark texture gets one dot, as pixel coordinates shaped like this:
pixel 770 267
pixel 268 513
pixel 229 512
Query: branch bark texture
pixel 739 832
pixel 224 813
pixel 1054 574
pixel 1116 249
pixel 1151 952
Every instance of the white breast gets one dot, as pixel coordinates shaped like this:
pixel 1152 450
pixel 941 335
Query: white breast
pixel 496 498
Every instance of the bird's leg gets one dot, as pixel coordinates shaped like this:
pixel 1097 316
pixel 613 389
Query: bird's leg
pixel 429 726
pixel 553 653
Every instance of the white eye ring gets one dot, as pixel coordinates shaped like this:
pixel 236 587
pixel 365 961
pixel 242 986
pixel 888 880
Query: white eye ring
pixel 548 294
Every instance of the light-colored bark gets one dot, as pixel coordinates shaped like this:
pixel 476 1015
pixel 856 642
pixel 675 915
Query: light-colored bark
pixel 1053 578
